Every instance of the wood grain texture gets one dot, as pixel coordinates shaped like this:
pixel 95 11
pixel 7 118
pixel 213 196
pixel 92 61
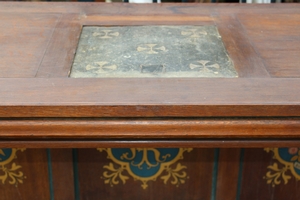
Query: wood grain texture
pixel 24 39
pixel 62 174
pixel 39 40
pixel 275 38
pixel 57 61
pixel 90 8
pixel 152 128
pixel 228 171
pixel 97 20
pixel 149 97
pixel 246 61
pixel 150 143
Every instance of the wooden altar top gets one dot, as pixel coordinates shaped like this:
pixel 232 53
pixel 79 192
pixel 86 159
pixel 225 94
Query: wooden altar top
pixel 41 106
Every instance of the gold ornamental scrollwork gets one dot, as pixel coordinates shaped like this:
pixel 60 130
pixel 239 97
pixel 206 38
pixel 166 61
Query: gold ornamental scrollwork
pixel 10 171
pixel 145 164
pixel 286 165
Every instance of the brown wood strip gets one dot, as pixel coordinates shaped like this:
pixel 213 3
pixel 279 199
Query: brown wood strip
pixel 245 59
pixel 58 58
pixel 275 38
pixel 159 128
pixel 149 143
pixel 96 20
pixel 228 170
pixel 255 165
pixel 23 39
pixel 62 174
pixel 90 8
pixel 149 97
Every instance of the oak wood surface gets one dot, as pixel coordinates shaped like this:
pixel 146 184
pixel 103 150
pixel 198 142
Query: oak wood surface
pixel 228 172
pixel 61 50
pixel 151 128
pixel 150 143
pixel 280 61
pixel 246 61
pixel 62 174
pixel 243 46
pixel 40 107
pixel 40 41
pixel 149 97
pixel 24 38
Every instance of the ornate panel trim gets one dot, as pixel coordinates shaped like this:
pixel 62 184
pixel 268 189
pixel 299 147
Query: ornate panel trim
pixel 10 171
pixel 145 164
pixel 287 160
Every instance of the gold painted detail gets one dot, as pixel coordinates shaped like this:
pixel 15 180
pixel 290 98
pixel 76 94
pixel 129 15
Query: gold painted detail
pixel 201 65
pixel 102 67
pixel 194 33
pixel 106 34
pixel 150 48
pixel 10 170
pixel 144 164
pixel 287 164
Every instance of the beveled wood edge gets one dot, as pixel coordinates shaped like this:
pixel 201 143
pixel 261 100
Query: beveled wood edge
pixel 138 20
pixel 63 40
pixel 241 143
pixel 203 128
pixel 239 47
pixel 207 97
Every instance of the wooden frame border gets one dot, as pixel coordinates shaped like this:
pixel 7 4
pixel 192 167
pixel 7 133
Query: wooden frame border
pixel 203 128
pixel 68 30
pixel 214 143
pixel 232 97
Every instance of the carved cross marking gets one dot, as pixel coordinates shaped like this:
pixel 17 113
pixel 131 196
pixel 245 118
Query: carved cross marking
pixel 102 67
pixel 151 49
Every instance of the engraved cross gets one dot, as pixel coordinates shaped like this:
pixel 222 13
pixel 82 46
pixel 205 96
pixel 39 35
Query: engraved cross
pixel 205 68
pixel 193 33
pixel 151 48
pixel 105 34
pixel 102 67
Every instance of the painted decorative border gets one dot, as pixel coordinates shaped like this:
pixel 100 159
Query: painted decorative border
pixel 289 159
pixel 9 170
pixel 145 164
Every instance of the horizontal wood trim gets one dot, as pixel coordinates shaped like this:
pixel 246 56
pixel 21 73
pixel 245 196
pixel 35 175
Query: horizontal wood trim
pixel 205 97
pixel 91 8
pixel 151 144
pixel 146 20
pixel 150 128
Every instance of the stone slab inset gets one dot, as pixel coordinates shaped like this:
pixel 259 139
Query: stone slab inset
pixel 151 51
